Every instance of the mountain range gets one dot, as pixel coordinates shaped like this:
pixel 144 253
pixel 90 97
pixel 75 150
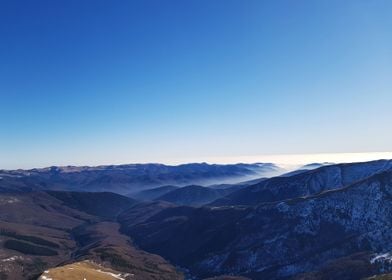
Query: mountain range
pixel 331 222
pixel 131 178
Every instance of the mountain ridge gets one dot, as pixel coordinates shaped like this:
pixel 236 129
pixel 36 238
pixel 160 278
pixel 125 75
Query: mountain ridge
pixel 304 183
pixel 330 225
pixel 125 179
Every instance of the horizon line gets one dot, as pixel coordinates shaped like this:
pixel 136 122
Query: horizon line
pixel 282 160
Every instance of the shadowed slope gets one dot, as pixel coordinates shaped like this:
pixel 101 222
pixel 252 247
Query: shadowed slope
pixel 304 184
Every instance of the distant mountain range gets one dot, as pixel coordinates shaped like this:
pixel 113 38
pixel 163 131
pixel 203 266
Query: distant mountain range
pixel 132 178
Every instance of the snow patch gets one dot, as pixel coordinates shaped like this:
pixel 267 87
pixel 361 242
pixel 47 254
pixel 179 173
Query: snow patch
pixel 386 257
pixel 114 275
pixel 11 259
pixel 8 200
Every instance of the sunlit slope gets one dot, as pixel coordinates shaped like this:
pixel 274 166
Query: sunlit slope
pixel 83 270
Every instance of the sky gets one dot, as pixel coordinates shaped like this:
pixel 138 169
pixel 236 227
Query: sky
pixel 98 82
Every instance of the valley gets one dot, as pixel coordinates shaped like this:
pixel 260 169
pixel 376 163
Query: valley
pixel 39 231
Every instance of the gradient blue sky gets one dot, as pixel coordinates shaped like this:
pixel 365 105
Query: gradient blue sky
pixel 91 82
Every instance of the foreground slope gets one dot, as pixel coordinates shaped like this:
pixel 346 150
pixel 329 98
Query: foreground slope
pixel 83 270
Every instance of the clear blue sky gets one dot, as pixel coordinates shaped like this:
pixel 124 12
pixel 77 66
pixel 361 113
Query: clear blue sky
pixel 134 81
